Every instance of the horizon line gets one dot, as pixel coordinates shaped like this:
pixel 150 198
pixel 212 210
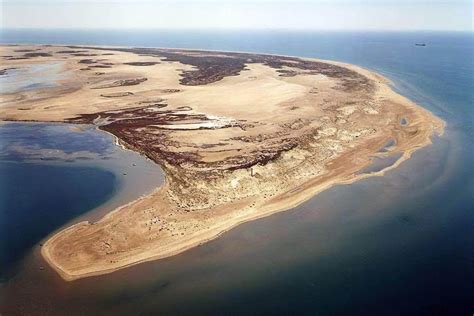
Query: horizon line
pixel 228 29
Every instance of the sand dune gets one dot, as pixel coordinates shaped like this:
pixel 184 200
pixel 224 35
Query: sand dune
pixel 239 136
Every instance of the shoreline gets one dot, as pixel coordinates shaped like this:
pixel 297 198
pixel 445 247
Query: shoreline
pixel 344 172
pixel 124 159
pixel 312 192
pixel 300 196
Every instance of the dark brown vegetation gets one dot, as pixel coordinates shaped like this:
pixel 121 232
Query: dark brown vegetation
pixel 140 128
pixel 100 66
pixel 5 71
pixel 143 128
pixel 70 51
pixel 214 66
pixel 25 50
pixel 87 61
pixel 116 94
pixel 142 63
pixel 84 54
pixel 122 83
pixel 37 54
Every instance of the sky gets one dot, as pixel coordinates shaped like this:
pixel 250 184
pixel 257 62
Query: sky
pixel 378 15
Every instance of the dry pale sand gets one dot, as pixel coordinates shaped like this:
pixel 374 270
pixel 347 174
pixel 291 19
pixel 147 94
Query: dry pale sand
pixel 239 136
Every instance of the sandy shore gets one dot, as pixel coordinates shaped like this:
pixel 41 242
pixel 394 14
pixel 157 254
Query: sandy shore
pixel 249 137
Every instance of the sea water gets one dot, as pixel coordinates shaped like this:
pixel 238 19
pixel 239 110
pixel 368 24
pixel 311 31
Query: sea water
pixel 401 244
pixel 50 174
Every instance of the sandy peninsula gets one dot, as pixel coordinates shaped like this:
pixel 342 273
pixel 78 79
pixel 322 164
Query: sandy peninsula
pixel 239 136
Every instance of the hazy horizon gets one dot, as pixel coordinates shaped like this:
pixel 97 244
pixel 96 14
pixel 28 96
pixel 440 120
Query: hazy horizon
pixel 316 15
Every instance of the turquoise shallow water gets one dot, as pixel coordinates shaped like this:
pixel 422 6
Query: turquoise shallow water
pixel 402 244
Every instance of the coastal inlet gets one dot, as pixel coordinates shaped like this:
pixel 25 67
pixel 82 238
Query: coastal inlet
pixel 53 175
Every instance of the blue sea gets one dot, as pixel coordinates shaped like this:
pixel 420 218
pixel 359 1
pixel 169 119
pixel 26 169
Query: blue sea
pixel 401 244
pixel 50 174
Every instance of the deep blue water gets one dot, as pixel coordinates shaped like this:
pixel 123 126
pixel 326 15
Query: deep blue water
pixel 41 184
pixel 402 244
pixel 37 199
pixel 52 173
